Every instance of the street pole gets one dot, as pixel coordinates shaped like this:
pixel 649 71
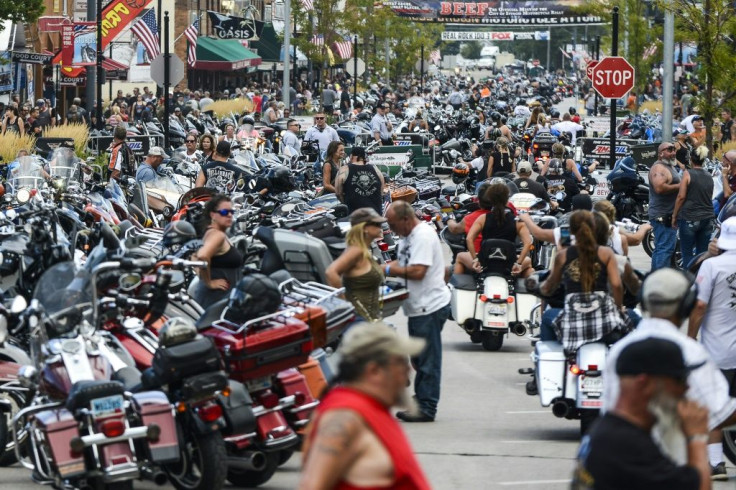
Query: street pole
pixel 597 57
pixel 110 81
pixel 167 82
pixel 158 28
pixel 549 47
pixel 668 57
pixel 355 70
pixel 287 48
pixel 98 64
pixel 614 52
pixel 421 71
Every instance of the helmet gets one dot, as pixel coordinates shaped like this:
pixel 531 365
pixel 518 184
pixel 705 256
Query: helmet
pixel 178 233
pixel 460 173
pixel 281 179
pixel 177 331
pixel 572 111
pixel 253 296
pixel 554 113
pixel 248 120
pixel 555 166
pixel 495 134
pixel 496 116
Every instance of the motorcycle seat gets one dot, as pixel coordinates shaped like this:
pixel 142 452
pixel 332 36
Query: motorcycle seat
pixel 83 392
pixel 464 282
pixel 130 377
pixel 212 314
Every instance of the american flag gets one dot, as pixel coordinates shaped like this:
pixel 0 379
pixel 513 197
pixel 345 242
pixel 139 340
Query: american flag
pixel 318 40
pixel 344 49
pixel 649 52
pixel 145 29
pixel 435 56
pixel 307 5
pixel 564 53
pixel 191 34
pixel 84 28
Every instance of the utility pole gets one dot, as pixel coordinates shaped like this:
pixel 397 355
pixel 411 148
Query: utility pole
pixel 668 57
pixel 597 57
pixel 355 70
pixel 98 65
pixel 549 46
pixel 614 52
pixel 167 82
pixel 287 48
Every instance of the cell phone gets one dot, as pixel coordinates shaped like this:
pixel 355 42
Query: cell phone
pixel 565 239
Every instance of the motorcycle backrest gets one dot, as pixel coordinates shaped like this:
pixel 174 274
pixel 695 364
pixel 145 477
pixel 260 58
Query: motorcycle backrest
pixel 497 256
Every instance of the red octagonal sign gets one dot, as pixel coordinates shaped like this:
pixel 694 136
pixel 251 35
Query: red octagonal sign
pixel 613 77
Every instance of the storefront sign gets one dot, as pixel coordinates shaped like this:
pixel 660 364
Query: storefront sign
pixel 31 58
pixel 230 27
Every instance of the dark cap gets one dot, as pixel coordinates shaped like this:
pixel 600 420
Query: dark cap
pixel 582 202
pixel 697 118
pixel 223 148
pixel 365 215
pixel 654 356
pixel 358 152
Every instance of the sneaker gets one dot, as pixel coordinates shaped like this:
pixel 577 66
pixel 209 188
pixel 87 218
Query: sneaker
pixel 414 417
pixel 718 472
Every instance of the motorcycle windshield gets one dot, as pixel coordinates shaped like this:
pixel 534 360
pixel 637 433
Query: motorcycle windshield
pixel 99 202
pixel 164 184
pixel 64 165
pixel 729 209
pixel 26 174
pixel 65 294
pixel 116 193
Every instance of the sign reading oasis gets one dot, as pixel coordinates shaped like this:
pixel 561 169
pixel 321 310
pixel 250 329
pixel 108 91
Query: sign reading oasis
pixel 230 27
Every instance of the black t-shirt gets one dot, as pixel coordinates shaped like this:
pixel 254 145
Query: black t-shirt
pixel 726 130
pixel 221 176
pixel 618 455
pixel 362 188
pixel 526 184
pixel 570 186
pixel 501 162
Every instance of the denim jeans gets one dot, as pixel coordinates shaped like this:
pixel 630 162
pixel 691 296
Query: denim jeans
pixel 546 332
pixel 429 363
pixel 665 242
pixel 694 234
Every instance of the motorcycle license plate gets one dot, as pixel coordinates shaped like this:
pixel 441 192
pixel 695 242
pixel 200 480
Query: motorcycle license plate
pixel 258 384
pixel 601 190
pixel 496 309
pixel 545 154
pixel 591 387
pixel 109 405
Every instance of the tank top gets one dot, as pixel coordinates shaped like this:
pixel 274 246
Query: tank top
pixel 334 169
pixel 363 188
pixel 227 266
pixel 13 127
pixel 663 204
pixel 571 275
pixel 408 475
pixel 682 154
pixel 501 162
pixel 363 292
pixel 699 200
pixel 503 231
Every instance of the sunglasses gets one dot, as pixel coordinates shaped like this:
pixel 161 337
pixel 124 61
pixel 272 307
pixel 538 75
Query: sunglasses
pixel 318 118
pixel 670 148
pixel 225 212
pixel 191 141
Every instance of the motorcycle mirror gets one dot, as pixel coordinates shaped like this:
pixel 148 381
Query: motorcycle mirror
pixel 18 305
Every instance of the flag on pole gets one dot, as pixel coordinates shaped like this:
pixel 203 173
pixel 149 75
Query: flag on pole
pixel 318 40
pixel 344 49
pixel 565 54
pixel 191 34
pixel 145 29
pixel 307 5
pixel 649 52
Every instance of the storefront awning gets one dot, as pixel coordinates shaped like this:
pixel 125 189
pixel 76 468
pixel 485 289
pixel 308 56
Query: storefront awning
pixel 224 55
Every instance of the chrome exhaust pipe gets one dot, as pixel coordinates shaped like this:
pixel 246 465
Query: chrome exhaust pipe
pixel 249 460
pixel 156 476
pixel 519 329
pixel 561 409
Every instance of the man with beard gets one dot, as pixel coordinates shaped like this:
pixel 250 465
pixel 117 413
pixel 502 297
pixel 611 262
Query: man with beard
pixel 664 184
pixel 619 452
pixel 354 441
pixel 668 296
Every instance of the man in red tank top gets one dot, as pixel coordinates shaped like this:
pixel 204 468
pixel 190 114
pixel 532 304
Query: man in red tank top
pixel 354 442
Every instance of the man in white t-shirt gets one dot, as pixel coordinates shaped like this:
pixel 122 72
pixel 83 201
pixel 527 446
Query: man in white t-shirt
pixel 714 316
pixel 422 263
pixel 567 126
pixel 667 298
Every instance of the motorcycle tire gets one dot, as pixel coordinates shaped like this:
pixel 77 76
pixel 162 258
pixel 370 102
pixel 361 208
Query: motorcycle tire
pixel 587 417
pixel 729 444
pixel 250 479
pixel 648 242
pixel 285 456
pixel 208 453
pixel 492 341
pixel 7 446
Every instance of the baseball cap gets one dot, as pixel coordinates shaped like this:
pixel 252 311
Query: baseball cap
pixel 582 201
pixel 664 146
pixel 655 356
pixel 727 239
pixel 156 151
pixel 365 215
pixel 697 118
pixel 370 339
pixel 524 167
pixel 665 285
pixel 223 148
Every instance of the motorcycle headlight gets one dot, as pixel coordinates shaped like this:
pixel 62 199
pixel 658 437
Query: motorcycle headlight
pixel 23 196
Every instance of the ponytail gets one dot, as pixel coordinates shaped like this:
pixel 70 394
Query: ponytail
pixel 497 195
pixel 582 225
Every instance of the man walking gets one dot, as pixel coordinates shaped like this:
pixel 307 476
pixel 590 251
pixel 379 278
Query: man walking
pixel 664 184
pixel 354 442
pixel 714 317
pixel 381 127
pixel 122 160
pixel 421 262
pixel 329 96
pixel 291 137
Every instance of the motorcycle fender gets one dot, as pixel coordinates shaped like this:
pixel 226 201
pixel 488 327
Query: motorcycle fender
pixel 496 289
pixel 590 356
pixel 10 352
pixel 59 428
pixel 155 409
pixel 199 426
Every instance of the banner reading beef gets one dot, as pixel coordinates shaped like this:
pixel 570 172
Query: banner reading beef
pixel 230 27
pixel 541 12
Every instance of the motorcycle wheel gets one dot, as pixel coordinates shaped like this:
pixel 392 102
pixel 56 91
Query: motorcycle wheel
pixel 285 456
pixel 476 338
pixel 492 341
pixel 203 462
pixel 729 444
pixel 648 243
pixel 587 417
pixel 249 479
pixel 7 446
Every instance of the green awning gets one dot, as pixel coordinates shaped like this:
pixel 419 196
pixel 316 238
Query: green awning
pixel 224 55
pixel 268 46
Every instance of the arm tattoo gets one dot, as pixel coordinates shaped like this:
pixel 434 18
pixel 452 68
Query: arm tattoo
pixel 336 434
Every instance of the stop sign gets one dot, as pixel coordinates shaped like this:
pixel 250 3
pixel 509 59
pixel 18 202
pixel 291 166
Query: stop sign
pixel 613 77
pixel 589 68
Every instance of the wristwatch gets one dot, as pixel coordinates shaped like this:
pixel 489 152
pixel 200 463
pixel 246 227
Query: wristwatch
pixel 698 438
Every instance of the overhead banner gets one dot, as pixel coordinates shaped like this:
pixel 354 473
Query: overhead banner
pixel 552 12
pixel 466 36
pixel 85 43
pixel 230 27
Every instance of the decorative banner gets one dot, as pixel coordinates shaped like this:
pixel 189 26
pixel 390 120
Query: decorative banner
pixel 67 42
pixel 229 27
pixel 85 43
pixel 465 36
pixel 31 58
pixel 548 12
pixel 6 73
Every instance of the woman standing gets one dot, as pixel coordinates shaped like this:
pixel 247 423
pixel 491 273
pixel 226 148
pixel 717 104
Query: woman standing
pixel 682 149
pixel 207 147
pixel 335 154
pixel 693 214
pixel 501 159
pixel 356 269
pixel 12 121
pixel 225 262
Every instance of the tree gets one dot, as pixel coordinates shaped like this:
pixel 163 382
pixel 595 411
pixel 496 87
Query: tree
pixel 27 11
pixel 471 50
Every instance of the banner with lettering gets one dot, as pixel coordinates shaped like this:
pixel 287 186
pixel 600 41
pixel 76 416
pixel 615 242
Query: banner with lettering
pixel 231 27
pixel 513 13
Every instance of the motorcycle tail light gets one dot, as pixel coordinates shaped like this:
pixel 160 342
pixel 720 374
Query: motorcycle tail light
pixel 427 217
pixel 575 369
pixel 483 298
pixel 383 246
pixel 592 367
pixel 510 299
pixel 269 400
pixel 496 296
pixel 536 146
pixel 210 413
pixel 113 428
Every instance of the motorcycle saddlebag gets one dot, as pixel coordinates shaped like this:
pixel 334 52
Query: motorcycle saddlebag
pixel 237 409
pixel 202 385
pixel 179 361
pixel 155 409
pixel 320 228
pixel 59 427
